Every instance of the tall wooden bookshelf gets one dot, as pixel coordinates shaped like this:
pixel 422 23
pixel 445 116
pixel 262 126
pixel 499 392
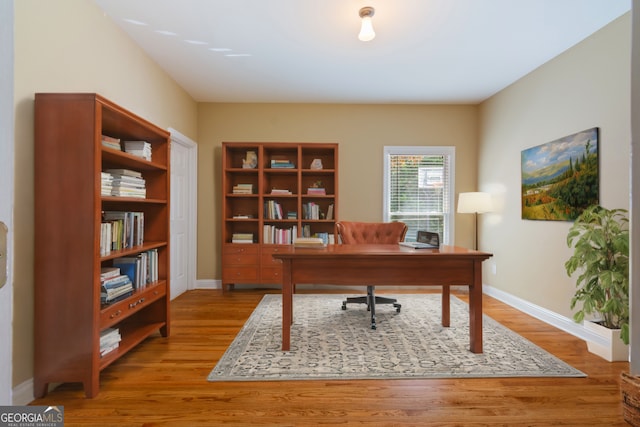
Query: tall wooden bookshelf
pixel 250 205
pixel 69 206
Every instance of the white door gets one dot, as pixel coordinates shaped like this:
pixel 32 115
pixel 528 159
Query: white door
pixel 6 197
pixel 184 154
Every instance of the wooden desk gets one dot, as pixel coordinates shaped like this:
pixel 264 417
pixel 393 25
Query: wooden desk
pixel 385 265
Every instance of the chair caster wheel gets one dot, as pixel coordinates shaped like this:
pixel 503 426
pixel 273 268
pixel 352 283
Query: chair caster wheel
pixel 397 310
pixel 344 306
pixel 373 327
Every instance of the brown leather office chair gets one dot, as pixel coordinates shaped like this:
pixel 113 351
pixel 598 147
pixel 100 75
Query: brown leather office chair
pixel 371 232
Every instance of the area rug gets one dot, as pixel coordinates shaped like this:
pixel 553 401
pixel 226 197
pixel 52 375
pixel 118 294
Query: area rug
pixel 330 343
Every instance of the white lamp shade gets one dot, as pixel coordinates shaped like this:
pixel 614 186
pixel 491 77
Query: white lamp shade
pixel 366 30
pixel 474 202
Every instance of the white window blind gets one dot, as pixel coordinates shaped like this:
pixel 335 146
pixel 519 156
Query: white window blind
pixel 419 189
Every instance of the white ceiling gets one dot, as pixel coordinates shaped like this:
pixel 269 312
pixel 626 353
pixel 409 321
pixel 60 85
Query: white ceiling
pixel 425 51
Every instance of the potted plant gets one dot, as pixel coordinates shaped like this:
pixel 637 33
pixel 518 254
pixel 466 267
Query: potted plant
pixel 600 238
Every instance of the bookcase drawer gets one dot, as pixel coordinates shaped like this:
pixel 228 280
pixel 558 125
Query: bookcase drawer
pixel 241 260
pixel 240 274
pixel 272 275
pixel 119 311
pixel 268 260
pixel 240 249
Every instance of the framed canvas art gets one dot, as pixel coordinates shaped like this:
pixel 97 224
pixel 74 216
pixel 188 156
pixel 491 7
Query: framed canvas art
pixel 560 178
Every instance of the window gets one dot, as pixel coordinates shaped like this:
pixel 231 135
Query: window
pixel 418 189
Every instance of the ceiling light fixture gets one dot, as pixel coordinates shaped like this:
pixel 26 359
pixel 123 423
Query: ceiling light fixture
pixel 366 30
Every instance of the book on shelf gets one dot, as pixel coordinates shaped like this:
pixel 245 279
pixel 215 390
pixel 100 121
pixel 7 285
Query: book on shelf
pixel 330 212
pixel 115 290
pixel 141 269
pixel 126 229
pixel 109 272
pixel 138 148
pixel 281 164
pixel 242 189
pixel 279 236
pixel 106 184
pixel 124 172
pixel 242 238
pixel 111 142
pixel 280 191
pixel 242 216
pixel 105 238
pixel 123 183
pixel 316 191
pixel 312 210
pixel 109 340
pixel 272 210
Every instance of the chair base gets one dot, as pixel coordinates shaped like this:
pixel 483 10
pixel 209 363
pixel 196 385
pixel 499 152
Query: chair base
pixel 371 300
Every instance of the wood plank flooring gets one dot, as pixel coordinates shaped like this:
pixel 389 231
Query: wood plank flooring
pixel 164 382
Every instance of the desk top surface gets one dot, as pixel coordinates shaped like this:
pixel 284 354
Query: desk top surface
pixel 374 250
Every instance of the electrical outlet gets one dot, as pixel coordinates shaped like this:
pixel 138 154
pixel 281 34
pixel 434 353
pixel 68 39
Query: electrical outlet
pixel 494 269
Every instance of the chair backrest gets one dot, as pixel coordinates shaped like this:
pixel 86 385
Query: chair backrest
pixel 371 232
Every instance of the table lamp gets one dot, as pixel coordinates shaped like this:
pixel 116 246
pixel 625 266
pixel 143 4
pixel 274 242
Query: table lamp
pixel 475 203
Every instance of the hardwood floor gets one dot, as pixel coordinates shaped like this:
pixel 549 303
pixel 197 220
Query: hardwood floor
pixel 164 382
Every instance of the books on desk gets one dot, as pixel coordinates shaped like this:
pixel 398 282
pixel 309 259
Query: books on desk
pixel 419 245
pixel 309 242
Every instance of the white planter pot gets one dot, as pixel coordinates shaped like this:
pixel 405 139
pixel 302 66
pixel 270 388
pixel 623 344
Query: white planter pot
pixel 614 350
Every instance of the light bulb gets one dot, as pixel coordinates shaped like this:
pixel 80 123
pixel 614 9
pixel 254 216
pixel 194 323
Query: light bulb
pixel 366 30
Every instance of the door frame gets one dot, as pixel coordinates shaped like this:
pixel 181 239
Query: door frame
pixel 192 203
pixel 7 166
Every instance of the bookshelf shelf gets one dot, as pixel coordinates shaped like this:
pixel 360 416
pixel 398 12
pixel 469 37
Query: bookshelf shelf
pixel 70 236
pixel 285 167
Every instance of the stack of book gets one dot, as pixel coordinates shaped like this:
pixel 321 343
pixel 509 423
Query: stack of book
pixel 138 148
pixel 309 242
pixel 280 192
pixel 125 229
pixel 127 183
pixel 243 189
pixel 111 142
pixel 114 286
pixel 106 184
pixel 316 191
pixel 109 340
pixel 282 164
pixel 242 238
pixel 141 269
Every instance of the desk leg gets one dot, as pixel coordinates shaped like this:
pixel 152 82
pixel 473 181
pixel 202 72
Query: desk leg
pixel 475 309
pixel 446 303
pixel 287 305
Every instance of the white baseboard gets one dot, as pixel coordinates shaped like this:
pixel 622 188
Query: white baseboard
pixel 208 284
pixel 554 319
pixel 22 394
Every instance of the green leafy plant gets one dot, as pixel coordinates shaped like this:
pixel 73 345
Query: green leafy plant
pixel 600 238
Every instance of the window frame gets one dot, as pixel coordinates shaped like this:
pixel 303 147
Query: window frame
pixel 448 151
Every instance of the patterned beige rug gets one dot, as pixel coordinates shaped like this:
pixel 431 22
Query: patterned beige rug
pixel 330 343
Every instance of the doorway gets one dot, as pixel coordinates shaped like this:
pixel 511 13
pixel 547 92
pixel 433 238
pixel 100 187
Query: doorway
pixel 184 178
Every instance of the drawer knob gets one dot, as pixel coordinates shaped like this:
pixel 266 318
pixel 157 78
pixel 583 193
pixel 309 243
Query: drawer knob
pixel 115 314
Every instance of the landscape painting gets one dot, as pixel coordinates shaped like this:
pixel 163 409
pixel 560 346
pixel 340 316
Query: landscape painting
pixel 560 178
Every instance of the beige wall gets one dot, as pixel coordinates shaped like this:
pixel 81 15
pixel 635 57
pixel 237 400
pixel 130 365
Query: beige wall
pixel 70 46
pixel 361 130
pixel 587 86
